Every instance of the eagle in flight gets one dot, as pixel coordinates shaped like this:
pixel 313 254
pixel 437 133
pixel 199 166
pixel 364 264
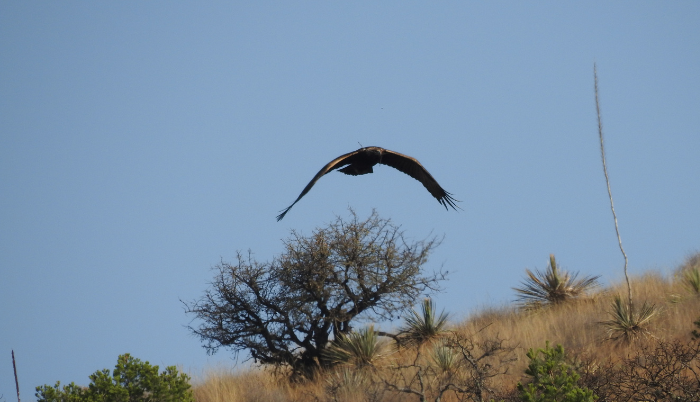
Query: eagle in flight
pixel 361 161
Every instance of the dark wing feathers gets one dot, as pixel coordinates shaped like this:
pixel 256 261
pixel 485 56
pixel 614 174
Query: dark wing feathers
pixel 413 168
pixel 334 164
pixel 403 163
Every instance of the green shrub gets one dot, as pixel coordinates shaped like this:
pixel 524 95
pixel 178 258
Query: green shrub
pixel 553 380
pixel 131 381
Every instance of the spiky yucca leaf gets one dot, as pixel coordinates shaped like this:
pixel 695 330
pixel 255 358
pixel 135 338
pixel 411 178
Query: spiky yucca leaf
pixel 553 286
pixel 348 380
pixel 361 348
pixel 444 357
pixel 626 324
pixel 425 326
pixel 348 384
pixel 691 278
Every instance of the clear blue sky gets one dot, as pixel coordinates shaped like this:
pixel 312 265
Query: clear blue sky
pixel 143 142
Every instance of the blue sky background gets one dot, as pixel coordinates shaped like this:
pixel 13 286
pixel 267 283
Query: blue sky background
pixel 143 142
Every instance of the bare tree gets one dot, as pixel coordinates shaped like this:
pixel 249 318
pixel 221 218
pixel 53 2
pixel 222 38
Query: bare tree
pixel 284 312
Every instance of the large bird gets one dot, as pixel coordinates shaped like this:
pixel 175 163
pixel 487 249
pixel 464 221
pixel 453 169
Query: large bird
pixel 361 162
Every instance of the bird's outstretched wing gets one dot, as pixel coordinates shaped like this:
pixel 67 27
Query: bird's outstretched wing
pixel 334 164
pixel 413 168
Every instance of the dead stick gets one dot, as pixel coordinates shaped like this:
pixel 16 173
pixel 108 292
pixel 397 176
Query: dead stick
pixel 607 181
pixel 14 367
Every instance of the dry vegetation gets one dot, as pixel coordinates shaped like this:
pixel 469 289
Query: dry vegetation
pixel 633 341
pixel 575 325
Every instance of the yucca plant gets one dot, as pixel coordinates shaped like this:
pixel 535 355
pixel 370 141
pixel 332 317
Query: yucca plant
pixel 348 384
pixel 444 357
pixel 425 326
pixel 691 278
pixel 553 286
pixel 626 323
pixel 360 349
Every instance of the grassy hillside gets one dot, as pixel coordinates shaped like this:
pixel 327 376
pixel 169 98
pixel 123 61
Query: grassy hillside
pixel 508 333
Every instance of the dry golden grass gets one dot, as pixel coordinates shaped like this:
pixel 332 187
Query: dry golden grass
pixel 574 325
pixel 577 326
pixel 252 385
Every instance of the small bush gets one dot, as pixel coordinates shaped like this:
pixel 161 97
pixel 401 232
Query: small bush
pixel 132 380
pixel 553 380
pixel 659 370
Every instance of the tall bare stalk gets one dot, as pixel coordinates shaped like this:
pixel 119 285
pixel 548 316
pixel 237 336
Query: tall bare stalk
pixel 607 181
pixel 14 367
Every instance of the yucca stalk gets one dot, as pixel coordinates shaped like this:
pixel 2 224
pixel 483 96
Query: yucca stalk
pixel 14 368
pixel 553 286
pixel 607 182
pixel 626 324
pixel 624 320
pixel 361 348
pixel 425 326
